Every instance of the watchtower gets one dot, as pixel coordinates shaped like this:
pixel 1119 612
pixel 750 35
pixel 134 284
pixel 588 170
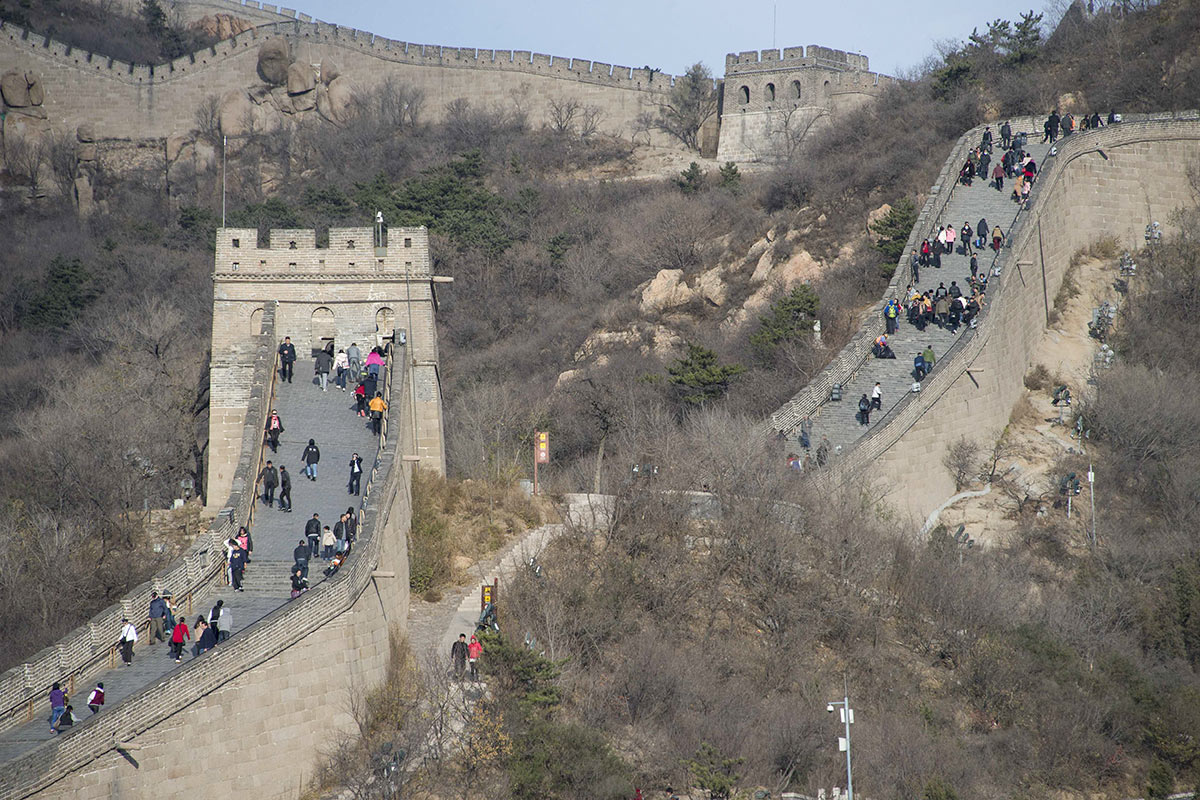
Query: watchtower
pixel 771 102
pixel 365 286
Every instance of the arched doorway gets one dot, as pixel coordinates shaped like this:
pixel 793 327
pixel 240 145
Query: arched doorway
pixel 385 324
pixel 323 328
pixel 256 322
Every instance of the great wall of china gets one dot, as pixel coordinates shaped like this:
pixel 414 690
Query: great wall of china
pixel 266 694
pixel 774 96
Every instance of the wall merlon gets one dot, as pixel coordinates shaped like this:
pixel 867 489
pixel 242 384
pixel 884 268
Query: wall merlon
pixel 770 55
pixel 793 53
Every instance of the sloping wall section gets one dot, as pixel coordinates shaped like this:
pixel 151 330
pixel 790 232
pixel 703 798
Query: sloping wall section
pixel 1110 182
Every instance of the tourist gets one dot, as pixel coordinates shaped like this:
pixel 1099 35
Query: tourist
pixel 351 525
pixel 328 540
pixel 1005 135
pixel 864 410
pixel 66 720
pixel 355 474
pixel 287 359
pixel 377 406
pixel 474 651
pixel 270 479
pixel 299 582
pixel 341 365
pixel 206 638
pixel 458 656
pixel 360 398
pixel 323 364
pixel 226 629
pixel 354 358
pixel 129 637
pixel 214 619
pixel 237 569
pixel 158 617
pixel 375 362
pixel 312 532
pixel 274 428
pixel 311 456
pixel 877 397
pixel 300 557
pixel 285 489
pixel 96 699
pixel 58 704
pixel 179 635
pixel 997 238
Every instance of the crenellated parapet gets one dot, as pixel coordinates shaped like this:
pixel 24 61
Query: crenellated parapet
pixel 349 254
pixel 772 99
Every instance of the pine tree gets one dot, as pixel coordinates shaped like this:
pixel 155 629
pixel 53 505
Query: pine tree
pixel 691 180
pixel 893 229
pixel 789 318
pixel 700 377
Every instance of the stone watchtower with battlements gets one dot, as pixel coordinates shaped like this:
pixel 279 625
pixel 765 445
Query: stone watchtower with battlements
pixel 770 102
pixel 365 286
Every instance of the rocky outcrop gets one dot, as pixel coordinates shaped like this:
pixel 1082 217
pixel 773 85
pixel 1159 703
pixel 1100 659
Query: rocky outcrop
pixel 222 26
pixel 666 291
pixel 274 58
pixel 23 93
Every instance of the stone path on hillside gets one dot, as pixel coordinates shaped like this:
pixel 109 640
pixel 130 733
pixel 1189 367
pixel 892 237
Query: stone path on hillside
pixel 837 421
pixel 433 627
pixel 307 412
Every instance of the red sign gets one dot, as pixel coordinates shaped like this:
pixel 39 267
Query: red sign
pixel 542 448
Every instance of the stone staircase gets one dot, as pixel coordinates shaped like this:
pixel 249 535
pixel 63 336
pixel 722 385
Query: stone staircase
pixel 837 421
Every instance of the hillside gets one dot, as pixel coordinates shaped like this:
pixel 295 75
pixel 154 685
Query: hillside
pixel 646 320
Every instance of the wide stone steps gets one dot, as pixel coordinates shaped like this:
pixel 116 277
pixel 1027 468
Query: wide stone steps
pixel 837 421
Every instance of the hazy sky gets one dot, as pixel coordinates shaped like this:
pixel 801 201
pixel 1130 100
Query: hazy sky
pixel 672 34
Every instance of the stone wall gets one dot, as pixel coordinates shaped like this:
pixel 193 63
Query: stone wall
pixel 125 101
pixel 1110 182
pixel 89 648
pixel 770 103
pixel 251 715
pixel 346 291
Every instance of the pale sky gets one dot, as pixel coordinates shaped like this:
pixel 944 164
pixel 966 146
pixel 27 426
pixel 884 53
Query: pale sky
pixel 672 34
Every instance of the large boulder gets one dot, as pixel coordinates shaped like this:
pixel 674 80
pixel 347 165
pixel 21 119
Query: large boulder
pixel 222 26
pixel 273 61
pixel 329 71
pixel 84 197
pixel 300 79
pixel 305 101
pixel 341 99
pixel 874 217
pixel 667 290
pixel 37 94
pixel 86 132
pixel 235 113
pixel 15 90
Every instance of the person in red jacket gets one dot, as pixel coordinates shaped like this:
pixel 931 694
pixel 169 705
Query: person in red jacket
pixel 179 635
pixel 474 651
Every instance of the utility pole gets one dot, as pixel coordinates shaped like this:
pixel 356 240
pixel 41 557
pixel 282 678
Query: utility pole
pixel 1092 494
pixel 844 742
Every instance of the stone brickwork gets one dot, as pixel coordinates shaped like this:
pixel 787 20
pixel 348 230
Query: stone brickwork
pixel 122 101
pixel 1110 182
pixel 771 101
pixel 347 292
pixel 251 715
pixel 89 648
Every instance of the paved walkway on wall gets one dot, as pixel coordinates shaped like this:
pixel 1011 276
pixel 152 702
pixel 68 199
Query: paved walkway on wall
pixel 307 412
pixel 837 421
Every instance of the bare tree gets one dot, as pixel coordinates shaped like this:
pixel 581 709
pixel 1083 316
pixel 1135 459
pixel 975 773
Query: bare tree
pixel 61 153
pixel 25 155
pixel 589 121
pixel 789 128
pixel 208 119
pixel 561 114
pixel 962 459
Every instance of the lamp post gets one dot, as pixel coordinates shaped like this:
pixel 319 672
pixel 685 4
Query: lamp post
pixel 844 742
